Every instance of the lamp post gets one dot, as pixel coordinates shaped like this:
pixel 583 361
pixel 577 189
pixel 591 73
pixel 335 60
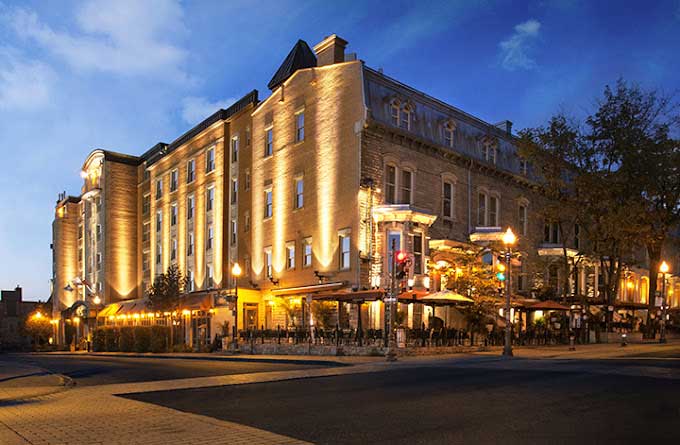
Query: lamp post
pixel 236 273
pixel 509 240
pixel 663 268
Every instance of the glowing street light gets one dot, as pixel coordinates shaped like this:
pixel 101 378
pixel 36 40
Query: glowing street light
pixel 664 269
pixel 509 239
pixel 236 273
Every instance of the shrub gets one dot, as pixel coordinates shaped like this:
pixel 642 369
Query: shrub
pixel 99 340
pixel 127 339
pixel 159 336
pixel 112 336
pixel 142 339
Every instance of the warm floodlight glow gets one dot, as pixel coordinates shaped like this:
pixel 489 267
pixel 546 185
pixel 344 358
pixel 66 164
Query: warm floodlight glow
pixel 664 268
pixel 236 270
pixel 97 300
pixel 509 238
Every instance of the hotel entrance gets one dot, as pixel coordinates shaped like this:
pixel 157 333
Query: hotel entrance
pixel 250 316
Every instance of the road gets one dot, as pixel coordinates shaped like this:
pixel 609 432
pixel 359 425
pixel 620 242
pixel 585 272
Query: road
pixel 478 400
pixel 99 370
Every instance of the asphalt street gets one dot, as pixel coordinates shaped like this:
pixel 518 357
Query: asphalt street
pixel 511 401
pixel 100 370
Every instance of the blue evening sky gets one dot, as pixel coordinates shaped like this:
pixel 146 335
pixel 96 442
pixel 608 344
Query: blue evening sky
pixel 123 75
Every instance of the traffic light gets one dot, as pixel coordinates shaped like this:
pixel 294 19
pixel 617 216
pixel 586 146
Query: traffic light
pixel 500 276
pixel 400 267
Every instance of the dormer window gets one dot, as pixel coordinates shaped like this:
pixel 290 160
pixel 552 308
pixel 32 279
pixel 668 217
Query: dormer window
pixel 406 118
pixel 489 152
pixel 523 166
pixel 394 110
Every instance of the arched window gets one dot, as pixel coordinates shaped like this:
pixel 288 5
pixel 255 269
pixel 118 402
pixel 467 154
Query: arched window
pixel 644 289
pixel 448 130
pixel 406 117
pixel 395 108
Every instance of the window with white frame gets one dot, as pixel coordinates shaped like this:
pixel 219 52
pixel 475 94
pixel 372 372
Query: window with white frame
pixel 290 255
pixel 489 152
pixel 234 149
pixel 146 232
pixel 210 160
pixel 300 126
pixel 159 188
pixel 233 232
pixel 159 221
pixel 299 193
pixel 190 244
pixel 390 184
pixel 344 241
pixel 394 113
pixel 488 210
pixel 268 141
pixel 173 214
pixel 146 204
pixel 234 190
pixel 493 211
pixel 246 221
pixel 210 199
pixel 448 134
pixel 173 180
pixel 406 117
pixel 190 207
pixel 173 250
pixel 209 278
pixel 191 170
pixel 448 189
pixel 268 261
pixel 268 203
pixel 209 238
pixel 522 218
pixel 190 280
pixel 307 252
pixel 406 186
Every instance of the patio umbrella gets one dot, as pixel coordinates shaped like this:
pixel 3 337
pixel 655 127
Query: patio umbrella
pixel 445 297
pixel 548 305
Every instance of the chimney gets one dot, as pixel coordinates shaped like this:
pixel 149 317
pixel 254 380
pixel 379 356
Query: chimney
pixel 330 50
pixel 505 125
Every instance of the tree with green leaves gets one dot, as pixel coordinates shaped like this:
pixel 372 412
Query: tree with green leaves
pixel 165 292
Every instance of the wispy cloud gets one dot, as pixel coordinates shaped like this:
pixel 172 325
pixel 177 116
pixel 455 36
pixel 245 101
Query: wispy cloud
pixel 195 109
pixel 24 84
pixel 123 37
pixel 514 51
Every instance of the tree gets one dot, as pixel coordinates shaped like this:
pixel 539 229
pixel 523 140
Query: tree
pixel 38 327
pixel 166 290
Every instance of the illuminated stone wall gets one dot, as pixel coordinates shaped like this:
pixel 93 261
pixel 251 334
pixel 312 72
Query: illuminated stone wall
pixel 65 252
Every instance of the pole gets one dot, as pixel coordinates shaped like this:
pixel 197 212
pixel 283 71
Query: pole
pixel 391 355
pixel 662 338
pixel 235 314
pixel 507 348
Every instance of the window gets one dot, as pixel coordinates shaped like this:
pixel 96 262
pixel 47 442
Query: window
pixel 190 244
pixel 406 186
pixel 99 232
pixel 210 160
pixel 481 210
pixel 146 204
pixel 233 231
pixel 234 149
pixel 489 152
pixel 173 215
pixel 299 193
pixel 146 232
pixel 234 190
pixel 268 261
pixel 173 180
pixel 190 281
pixel 522 219
pixel 246 183
pixel 487 210
pixel 551 233
pixel 406 118
pixel 493 211
pixel 299 126
pixel 190 207
pixel 209 240
pixel 344 250
pixel 268 142
pixel 159 221
pixel 248 137
pixel 145 261
pixel 418 253
pixel 268 203
pixel 246 221
pixel 98 203
pixel 191 171
pixel 394 113
pixel 99 261
pixel 208 276
pixel 159 255
pixel 307 252
pixel 448 134
pixel 210 199
pixel 159 188
pixel 447 200
pixel 391 184
pixel 290 255
pixel 173 250
pixel 523 166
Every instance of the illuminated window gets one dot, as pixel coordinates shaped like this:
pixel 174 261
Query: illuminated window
pixel 268 142
pixel 448 134
pixel 173 250
pixel 307 252
pixel 159 255
pixel 394 113
pixel 246 221
pixel 233 231
pixel 209 238
pixel 191 171
pixel 268 260
pixel 447 199
pixel 190 244
pixel 344 240
pixel 234 149
pixel 522 219
pixel 173 215
pixel 190 207
pixel 209 281
pixel 290 255
pixel 210 199
pixel 159 221
pixel 234 190
pixel 268 204
pixel 210 160
pixel 173 180
pixel 299 126
pixel 146 204
pixel 190 280
pixel 391 184
pixel 159 188
pixel 406 186
pixel 299 193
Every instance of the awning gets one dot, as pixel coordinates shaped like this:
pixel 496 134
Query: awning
pixel 125 307
pixel 350 295
pixel 310 289
pixel 630 305
pixel 547 305
pixel 446 297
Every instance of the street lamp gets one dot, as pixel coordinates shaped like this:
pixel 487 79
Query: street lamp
pixel 509 240
pixel 236 273
pixel 663 268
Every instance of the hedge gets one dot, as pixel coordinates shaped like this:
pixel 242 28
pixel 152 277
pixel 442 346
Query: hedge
pixel 131 339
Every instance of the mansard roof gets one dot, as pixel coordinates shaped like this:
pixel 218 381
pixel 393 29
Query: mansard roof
pixel 301 56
